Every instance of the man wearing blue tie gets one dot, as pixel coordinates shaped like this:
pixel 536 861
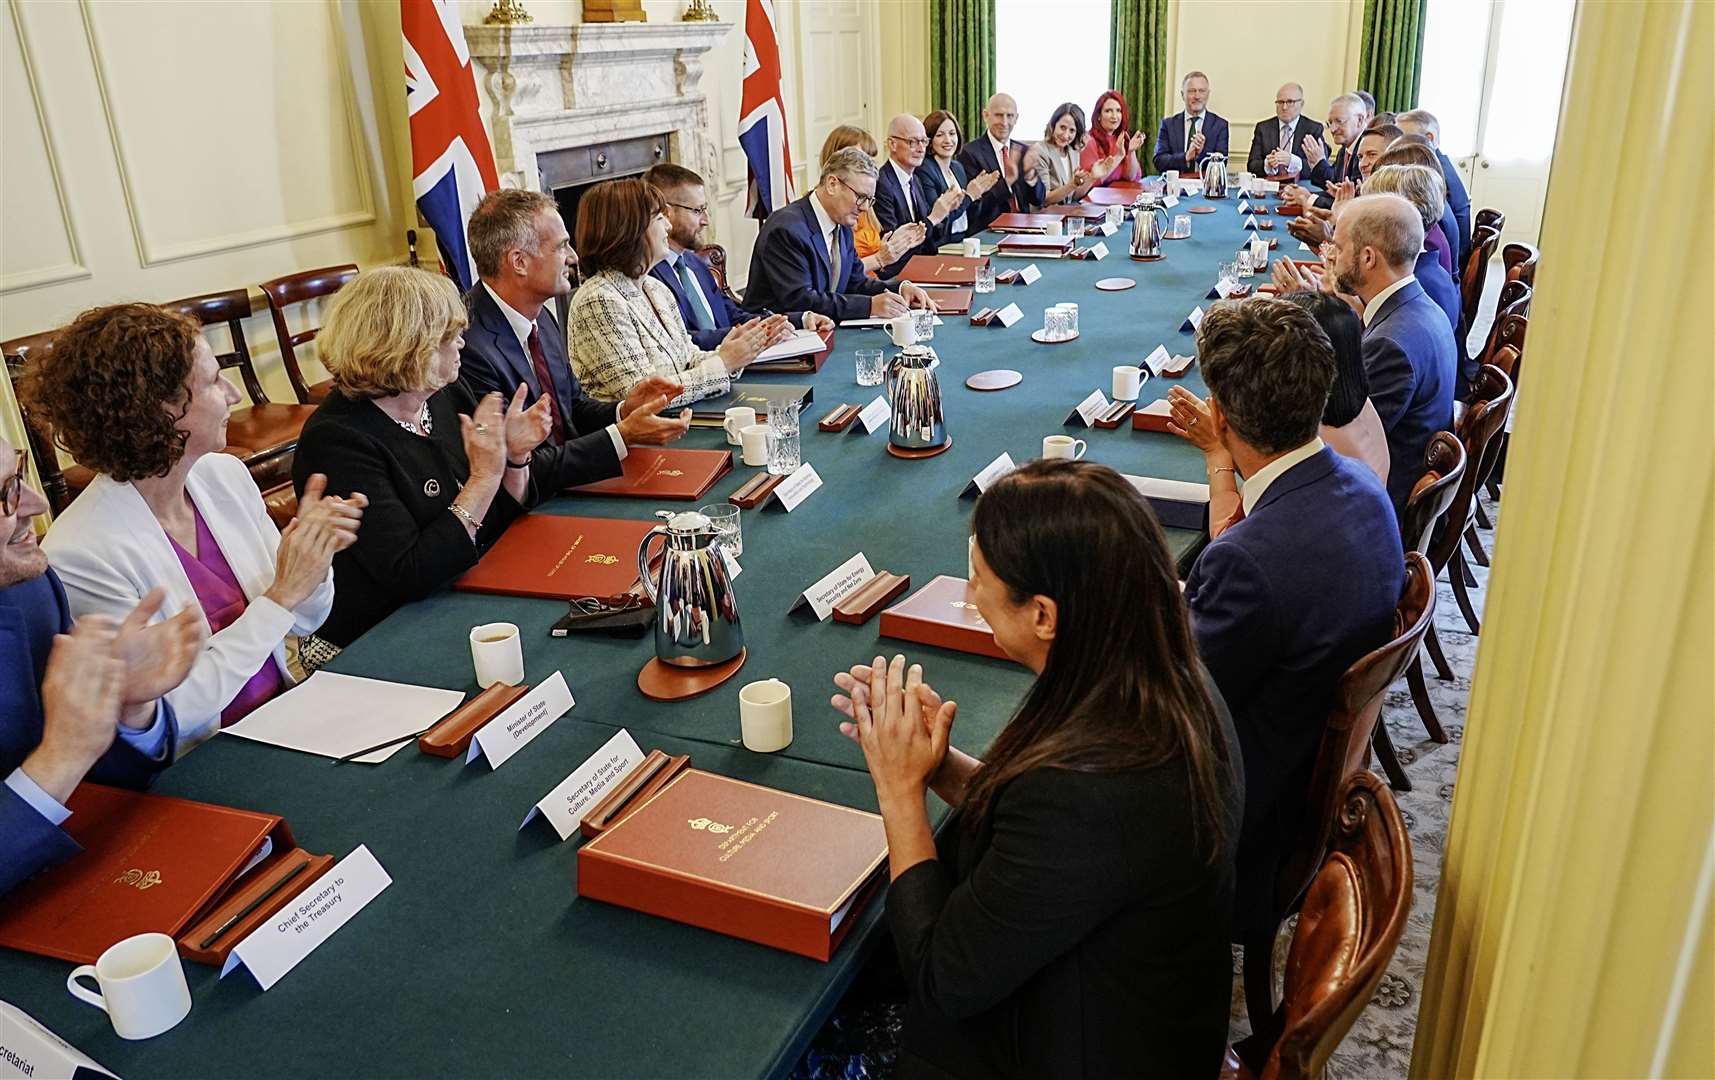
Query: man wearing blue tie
pixel 708 312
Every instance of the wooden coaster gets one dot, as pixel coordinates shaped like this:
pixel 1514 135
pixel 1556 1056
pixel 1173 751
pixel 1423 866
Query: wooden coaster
pixel 1116 284
pixel 1201 210
pixel 666 682
pixel 1147 258
pixel 998 379
pixel 915 455
pixel 1176 236
pixel 1036 336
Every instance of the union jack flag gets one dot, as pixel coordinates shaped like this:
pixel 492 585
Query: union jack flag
pixel 452 165
pixel 762 114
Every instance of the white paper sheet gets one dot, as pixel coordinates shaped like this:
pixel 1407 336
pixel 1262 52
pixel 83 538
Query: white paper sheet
pixel 801 343
pixel 335 715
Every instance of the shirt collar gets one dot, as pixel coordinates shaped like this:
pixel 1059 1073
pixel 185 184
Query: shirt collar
pixel 823 221
pixel 1374 307
pixel 1274 470
pixel 1000 148
pixel 520 325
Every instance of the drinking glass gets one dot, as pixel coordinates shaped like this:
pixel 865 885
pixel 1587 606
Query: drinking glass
pixel 1053 323
pixel 924 321
pixel 1116 216
pixel 1229 272
pixel 1075 227
pixel 1246 269
pixel 1069 312
pixel 783 450
pixel 1182 226
pixel 723 518
pixel 869 361
pixel 985 278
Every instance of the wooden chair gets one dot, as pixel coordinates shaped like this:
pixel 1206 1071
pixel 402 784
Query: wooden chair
pixel 1515 299
pixel 715 256
pixel 1343 753
pixel 263 435
pixel 1476 272
pixel 299 288
pixel 282 503
pixel 1491 399
pixel 1444 464
pixel 1348 928
pixel 59 484
pixel 1489 219
pixel 1520 261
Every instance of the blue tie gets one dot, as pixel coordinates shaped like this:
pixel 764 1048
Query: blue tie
pixel 701 317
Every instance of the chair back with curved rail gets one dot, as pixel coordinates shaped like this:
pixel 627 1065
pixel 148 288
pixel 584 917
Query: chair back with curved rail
pixel 715 255
pixel 1515 299
pixel 1475 273
pixel 1520 262
pixel 1443 468
pixel 1489 218
pixel 60 485
pixel 289 291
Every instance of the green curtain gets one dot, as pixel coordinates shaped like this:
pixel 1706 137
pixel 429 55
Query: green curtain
pixel 1391 66
pixel 1137 64
pixel 961 59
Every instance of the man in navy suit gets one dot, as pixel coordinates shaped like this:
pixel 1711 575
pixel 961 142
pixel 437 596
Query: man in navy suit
pixel 1346 122
pixel 1277 144
pixel 524 257
pixel 1189 135
pixel 902 199
pixel 708 311
pixel 1409 352
pixel 1423 122
pixel 804 258
pixel 76 702
pixel 998 152
pixel 1301 585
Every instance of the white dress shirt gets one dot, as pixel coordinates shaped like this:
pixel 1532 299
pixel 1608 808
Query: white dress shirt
pixel 1268 474
pixel 521 328
pixel 1204 117
pixel 904 183
pixel 151 742
pixel 829 239
pixel 674 258
pixel 1376 301
pixel 958 224
pixel 1289 140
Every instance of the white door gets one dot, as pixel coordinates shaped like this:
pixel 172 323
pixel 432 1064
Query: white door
pixel 837 57
pixel 1493 71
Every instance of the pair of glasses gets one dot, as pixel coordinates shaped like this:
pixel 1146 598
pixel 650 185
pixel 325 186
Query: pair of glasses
pixel 862 199
pixel 700 211
pixel 915 144
pixel 590 606
pixel 12 488
pixel 1289 101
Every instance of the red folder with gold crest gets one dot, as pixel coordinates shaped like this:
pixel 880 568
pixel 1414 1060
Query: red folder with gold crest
pixel 651 473
pixel 939 614
pixel 561 558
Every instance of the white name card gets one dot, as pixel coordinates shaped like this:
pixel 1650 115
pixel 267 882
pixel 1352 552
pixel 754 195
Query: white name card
pixel 1302 246
pixel 1107 228
pixel 1250 222
pixel 564 807
pixel 1157 360
pixel 27 1049
pixel 1099 251
pixel 845 579
pixel 1170 201
pixel 521 721
pixel 1192 321
pixel 874 417
pixel 1087 410
pixel 993 471
pixel 1029 275
pixel 797 487
pixel 1243 207
pixel 1223 289
pixel 1011 313
pixel 297 930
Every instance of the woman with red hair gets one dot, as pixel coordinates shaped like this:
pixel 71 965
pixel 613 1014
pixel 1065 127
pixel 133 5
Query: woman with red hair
pixel 1111 154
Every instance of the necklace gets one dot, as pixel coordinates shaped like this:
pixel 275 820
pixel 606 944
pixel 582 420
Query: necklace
pixel 422 425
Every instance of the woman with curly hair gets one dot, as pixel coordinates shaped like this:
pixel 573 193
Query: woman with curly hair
pixel 134 392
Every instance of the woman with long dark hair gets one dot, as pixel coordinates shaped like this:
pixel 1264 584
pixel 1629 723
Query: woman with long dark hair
pixel 1074 921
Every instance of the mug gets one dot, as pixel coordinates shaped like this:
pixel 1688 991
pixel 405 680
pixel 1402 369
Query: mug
pixel 1128 381
pixel 142 983
pixel 1054 228
pixel 754 439
pixel 903 329
pixel 737 419
pixel 765 716
pixel 1170 181
pixel 498 654
pixel 973 247
pixel 1063 446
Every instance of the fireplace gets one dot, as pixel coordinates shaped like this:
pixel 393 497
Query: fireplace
pixel 569 172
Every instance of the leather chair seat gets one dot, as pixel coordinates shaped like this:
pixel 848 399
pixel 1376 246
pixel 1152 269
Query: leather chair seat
pixel 282 503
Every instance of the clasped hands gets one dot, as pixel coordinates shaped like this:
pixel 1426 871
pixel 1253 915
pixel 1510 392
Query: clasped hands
pixel 900 722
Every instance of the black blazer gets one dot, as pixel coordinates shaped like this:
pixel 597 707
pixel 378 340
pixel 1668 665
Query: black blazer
pixel 493 361
pixel 891 213
pixel 935 186
pixel 1266 137
pixel 789 268
pixel 977 156
pixel 1076 933
pixel 410 544
pixel 1327 172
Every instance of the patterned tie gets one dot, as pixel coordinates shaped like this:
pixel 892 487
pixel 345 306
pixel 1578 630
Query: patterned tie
pixel 836 263
pixel 539 361
pixel 701 317
pixel 1286 137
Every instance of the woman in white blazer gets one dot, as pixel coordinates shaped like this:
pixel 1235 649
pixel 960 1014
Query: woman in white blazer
pixel 134 392
pixel 625 325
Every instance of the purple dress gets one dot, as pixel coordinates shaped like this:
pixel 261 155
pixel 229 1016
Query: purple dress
pixel 1435 240
pixel 223 601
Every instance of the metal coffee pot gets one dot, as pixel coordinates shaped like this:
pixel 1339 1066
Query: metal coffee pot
pixel 1215 177
pixel 1148 229
pixel 916 395
pixel 696 609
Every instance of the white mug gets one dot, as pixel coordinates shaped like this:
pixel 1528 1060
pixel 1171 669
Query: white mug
pixel 1170 180
pixel 903 330
pixel 498 654
pixel 142 982
pixel 1128 381
pixel 973 247
pixel 765 716
pixel 1063 446
pixel 737 419
pixel 1054 228
pixel 754 439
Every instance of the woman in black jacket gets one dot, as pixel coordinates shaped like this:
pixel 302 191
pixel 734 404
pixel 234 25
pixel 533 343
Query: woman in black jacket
pixel 1074 919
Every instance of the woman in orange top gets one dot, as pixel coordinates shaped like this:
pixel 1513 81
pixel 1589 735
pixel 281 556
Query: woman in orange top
pixel 1111 153
pixel 873 248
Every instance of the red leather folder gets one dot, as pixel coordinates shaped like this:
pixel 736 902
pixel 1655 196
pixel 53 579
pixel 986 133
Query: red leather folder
pixel 1030 244
pixel 768 866
pixel 939 614
pixel 1023 223
pixel 652 473
pixel 952 301
pixel 1115 194
pixel 151 863
pixel 561 558
pixel 1087 211
pixel 943 269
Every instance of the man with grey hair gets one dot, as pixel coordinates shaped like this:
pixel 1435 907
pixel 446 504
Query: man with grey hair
pixel 1423 123
pixel 1346 120
pixel 805 259
pixel 1421 186
pixel 901 199
pixel 1194 132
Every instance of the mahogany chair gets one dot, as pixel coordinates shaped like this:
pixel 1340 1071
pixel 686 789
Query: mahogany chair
pixel 1491 400
pixel 1351 921
pixel 59 484
pixel 1476 272
pixel 263 435
pixel 715 256
pixel 1520 261
pixel 1444 466
pixel 1515 299
pixel 1489 218
pixel 300 288
pixel 1342 755
pixel 282 503
pixel 1506 351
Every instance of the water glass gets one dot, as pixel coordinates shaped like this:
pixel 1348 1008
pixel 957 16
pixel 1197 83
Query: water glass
pixel 924 322
pixel 1182 226
pixel 1069 312
pixel 870 361
pixel 783 449
pixel 985 278
pixel 1229 272
pixel 1075 227
pixel 1116 216
pixel 1246 268
pixel 1054 323
pixel 723 518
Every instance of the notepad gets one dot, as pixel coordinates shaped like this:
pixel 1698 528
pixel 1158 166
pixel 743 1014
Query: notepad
pixel 801 343
pixel 334 715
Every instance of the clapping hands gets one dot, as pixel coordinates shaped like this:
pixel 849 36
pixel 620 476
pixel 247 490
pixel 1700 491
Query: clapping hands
pixel 901 723
pixel 980 186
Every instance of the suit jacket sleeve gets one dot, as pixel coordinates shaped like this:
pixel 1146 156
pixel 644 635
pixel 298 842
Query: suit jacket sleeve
pixel 788 261
pixel 1043 884
pixel 610 354
pixel 1165 158
pixel 1233 618
pixel 1391 378
pixel 1257 161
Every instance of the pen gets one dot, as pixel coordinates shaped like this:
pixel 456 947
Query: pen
pixel 254 904
pixel 390 742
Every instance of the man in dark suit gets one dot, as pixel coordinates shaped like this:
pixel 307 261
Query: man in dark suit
pixel 524 257
pixel 1304 583
pixel 77 703
pixel 804 258
pixel 1277 144
pixel 708 311
pixel 997 151
pixel 1193 133
pixel 1423 122
pixel 902 199
pixel 1346 121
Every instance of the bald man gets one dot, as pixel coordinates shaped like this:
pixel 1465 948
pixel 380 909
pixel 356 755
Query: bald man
pixel 901 197
pixel 997 151
pixel 1277 143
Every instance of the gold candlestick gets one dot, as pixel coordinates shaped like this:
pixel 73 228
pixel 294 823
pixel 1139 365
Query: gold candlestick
pixel 507 13
pixel 700 11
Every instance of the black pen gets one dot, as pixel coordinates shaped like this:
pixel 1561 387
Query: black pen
pixel 395 741
pixel 254 904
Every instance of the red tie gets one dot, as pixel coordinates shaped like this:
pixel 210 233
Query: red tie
pixel 539 361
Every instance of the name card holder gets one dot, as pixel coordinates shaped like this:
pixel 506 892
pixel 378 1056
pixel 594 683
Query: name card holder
pixel 320 909
pixel 1084 413
pixel 1153 417
pixel 792 490
pixel 1177 367
pixel 1115 414
pixel 1023 275
pixel 862 603
pixel 514 727
pixel 991 472
pixel 839 418
pixel 451 737
pixel 1156 360
pixel 655 772
pixel 752 492
pixel 873 417
pixel 834 586
pixel 615 763
pixel 1003 317
pixel 1192 321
